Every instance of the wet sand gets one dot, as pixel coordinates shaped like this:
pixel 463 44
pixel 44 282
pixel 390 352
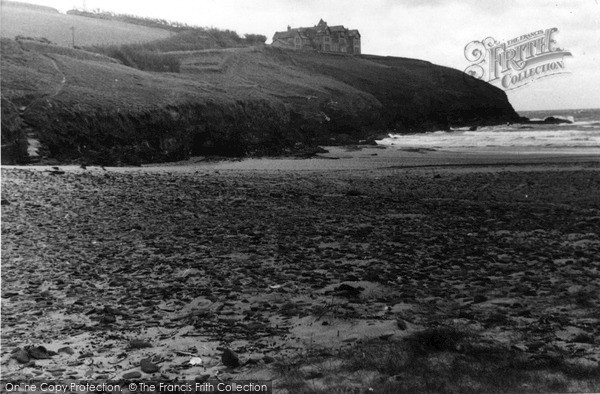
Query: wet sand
pixel 368 157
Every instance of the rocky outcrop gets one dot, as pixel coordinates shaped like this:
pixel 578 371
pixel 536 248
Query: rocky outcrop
pixel 14 140
pixel 236 102
pixel 549 120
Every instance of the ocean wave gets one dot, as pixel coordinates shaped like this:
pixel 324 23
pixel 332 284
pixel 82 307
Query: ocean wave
pixel 585 123
pixel 499 137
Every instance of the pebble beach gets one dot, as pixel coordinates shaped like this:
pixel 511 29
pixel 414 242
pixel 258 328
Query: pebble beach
pixel 113 273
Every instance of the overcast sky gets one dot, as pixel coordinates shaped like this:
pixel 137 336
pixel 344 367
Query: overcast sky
pixel 433 30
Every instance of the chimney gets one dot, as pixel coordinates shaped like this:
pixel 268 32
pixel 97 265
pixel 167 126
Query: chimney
pixel 289 28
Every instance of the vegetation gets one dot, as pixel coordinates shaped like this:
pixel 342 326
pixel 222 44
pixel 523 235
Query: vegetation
pixel 14 141
pixel 137 57
pixel 444 359
pixel 255 39
pixel 132 19
pixel 42 40
pixel 19 19
pixel 225 38
pixel 155 55
pixel 34 7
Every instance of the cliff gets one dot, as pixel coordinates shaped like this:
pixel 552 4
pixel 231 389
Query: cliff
pixel 86 107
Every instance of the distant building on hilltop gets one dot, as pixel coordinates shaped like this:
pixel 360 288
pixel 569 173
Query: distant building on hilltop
pixel 336 39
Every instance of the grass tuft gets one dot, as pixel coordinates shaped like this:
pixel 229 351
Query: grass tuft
pixel 452 360
pixel 437 340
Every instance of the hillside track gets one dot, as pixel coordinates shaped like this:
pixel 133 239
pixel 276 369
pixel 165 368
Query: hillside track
pixel 57 90
pixel 62 81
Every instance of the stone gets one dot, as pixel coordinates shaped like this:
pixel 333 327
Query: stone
pixel 108 319
pixel 201 378
pixel 22 356
pixel 346 290
pixel 66 350
pixel 353 193
pixel 230 359
pixel 401 324
pixel 38 352
pixel 132 375
pixel 148 366
pixel 314 375
pixel 139 344
pixel 520 346
pixel 479 298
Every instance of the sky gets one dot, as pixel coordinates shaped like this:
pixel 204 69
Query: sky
pixel 432 30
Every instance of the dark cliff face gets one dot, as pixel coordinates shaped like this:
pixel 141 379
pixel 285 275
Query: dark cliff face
pixel 251 101
pixel 415 95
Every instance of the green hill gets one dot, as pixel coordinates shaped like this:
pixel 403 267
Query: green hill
pixel 238 101
pixel 22 19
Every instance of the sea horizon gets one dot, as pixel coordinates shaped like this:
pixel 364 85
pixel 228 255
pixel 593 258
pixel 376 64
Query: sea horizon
pixel 581 134
pixel 578 110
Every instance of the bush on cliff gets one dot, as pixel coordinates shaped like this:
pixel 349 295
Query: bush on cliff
pixel 156 56
pixel 132 19
pixel 135 56
pixel 14 140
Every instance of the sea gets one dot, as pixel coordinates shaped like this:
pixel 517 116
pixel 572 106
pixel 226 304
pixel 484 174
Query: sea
pixel 582 136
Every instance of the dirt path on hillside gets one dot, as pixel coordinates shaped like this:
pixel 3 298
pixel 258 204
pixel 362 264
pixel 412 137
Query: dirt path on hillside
pixel 63 77
pixel 59 87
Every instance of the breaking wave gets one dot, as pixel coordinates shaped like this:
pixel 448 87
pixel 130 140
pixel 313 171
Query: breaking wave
pixel 583 133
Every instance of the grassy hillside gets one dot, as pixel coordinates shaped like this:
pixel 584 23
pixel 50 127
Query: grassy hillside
pixel 21 20
pixel 30 6
pixel 238 101
pixel 156 55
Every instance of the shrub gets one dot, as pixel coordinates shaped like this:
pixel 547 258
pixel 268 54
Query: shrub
pixel 154 56
pixel 437 340
pixel 133 19
pixel 255 39
pixel 135 56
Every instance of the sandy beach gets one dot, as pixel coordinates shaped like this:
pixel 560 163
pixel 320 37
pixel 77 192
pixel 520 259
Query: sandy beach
pixel 376 157
pixel 305 267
